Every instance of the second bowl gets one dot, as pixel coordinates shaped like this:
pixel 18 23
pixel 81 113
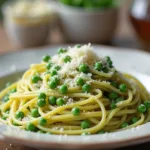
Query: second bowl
pixel 81 25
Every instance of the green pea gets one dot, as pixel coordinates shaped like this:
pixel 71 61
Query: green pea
pixel 101 132
pixel 31 127
pixel 19 115
pixel 105 69
pixel 134 120
pixel 124 125
pixel 108 58
pixel 52 100
pixel 6 98
pixel 85 124
pixel 13 90
pixel 36 79
pixel 57 67
pixel 142 108
pixel 53 72
pixel 147 104
pixel 113 95
pixel 61 50
pixel 49 65
pixel 119 99
pixel 86 88
pixel 75 111
pixel 123 88
pixel 52 84
pixel 98 66
pixel 35 113
pixel 63 89
pixel 84 68
pixel 80 81
pixel 110 64
pixel 46 58
pixel 4 117
pixel 56 79
pixel 60 102
pixel 42 96
pixel 67 59
pixel 114 83
pixel 42 121
pixel 41 102
pixel 113 105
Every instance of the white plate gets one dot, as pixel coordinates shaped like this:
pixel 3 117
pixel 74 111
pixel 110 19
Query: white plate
pixel 133 61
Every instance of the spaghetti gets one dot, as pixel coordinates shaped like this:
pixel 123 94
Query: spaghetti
pixel 75 92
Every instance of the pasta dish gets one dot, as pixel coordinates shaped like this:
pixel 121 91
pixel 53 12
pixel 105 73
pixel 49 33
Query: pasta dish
pixel 75 92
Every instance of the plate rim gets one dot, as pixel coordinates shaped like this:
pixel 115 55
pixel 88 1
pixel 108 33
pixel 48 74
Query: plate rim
pixel 106 144
pixel 33 49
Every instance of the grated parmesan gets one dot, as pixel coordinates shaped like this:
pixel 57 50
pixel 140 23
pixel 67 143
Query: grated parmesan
pixel 70 101
pixel 85 54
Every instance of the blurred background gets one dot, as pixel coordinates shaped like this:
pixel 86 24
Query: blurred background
pixel 37 23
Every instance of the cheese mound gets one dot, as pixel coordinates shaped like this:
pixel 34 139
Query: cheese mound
pixel 82 55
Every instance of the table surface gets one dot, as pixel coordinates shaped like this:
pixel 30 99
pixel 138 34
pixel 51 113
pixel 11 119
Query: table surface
pixel 124 37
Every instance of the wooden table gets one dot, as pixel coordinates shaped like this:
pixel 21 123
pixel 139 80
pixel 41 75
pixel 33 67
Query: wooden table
pixel 124 37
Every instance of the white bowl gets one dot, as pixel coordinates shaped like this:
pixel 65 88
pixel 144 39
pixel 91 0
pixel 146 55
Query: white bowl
pixel 80 25
pixel 25 34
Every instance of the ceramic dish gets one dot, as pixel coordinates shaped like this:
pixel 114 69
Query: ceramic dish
pixel 21 30
pixel 79 25
pixel 133 61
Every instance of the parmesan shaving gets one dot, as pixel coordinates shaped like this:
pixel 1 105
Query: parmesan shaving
pixel 84 54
